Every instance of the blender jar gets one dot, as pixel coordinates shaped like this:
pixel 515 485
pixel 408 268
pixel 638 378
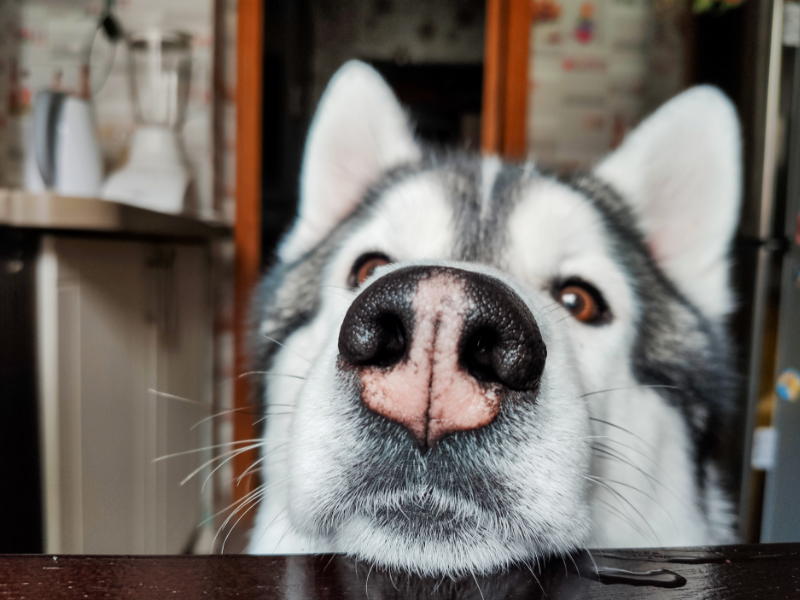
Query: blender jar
pixel 160 71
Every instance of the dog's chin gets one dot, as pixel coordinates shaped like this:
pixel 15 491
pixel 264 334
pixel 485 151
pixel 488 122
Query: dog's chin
pixel 469 549
pixel 457 541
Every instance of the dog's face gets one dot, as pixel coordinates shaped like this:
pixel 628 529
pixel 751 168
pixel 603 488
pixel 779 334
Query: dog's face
pixel 442 334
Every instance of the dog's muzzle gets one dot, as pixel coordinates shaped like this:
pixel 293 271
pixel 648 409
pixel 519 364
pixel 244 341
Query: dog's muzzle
pixel 438 348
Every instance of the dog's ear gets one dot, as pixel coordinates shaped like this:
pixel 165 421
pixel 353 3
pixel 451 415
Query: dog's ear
pixel 680 170
pixel 360 130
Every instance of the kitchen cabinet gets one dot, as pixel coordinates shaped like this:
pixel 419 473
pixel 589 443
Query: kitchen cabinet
pixel 123 375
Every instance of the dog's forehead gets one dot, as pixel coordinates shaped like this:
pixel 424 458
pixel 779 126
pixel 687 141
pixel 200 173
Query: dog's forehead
pixel 413 218
pixel 553 224
pixel 483 210
pixel 440 205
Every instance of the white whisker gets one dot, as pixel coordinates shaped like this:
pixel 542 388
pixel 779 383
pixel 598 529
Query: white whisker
pixel 265 417
pixel 260 460
pixel 610 424
pixel 166 456
pixel 617 494
pixel 629 387
pixel 271 523
pixel 180 398
pixel 230 453
pixel 282 345
pixel 253 504
pixel 251 498
pixel 271 374
pixel 219 414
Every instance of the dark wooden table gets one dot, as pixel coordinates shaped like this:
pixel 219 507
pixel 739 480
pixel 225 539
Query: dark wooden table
pixel 767 572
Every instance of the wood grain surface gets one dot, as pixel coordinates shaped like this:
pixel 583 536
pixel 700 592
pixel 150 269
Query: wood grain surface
pixel 768 572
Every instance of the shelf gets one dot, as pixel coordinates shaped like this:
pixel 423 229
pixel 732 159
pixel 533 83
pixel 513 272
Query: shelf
pixel 48 211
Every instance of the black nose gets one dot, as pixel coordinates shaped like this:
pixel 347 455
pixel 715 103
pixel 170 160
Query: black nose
pixel 499 341
pixel 377 328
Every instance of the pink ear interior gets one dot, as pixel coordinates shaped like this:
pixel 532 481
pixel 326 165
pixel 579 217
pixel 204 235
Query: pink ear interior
pixel 359 131
pixel 680 171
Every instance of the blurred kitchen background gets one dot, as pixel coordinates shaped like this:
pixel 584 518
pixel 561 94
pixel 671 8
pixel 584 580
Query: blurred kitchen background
pixel 45 40
pixel 124 311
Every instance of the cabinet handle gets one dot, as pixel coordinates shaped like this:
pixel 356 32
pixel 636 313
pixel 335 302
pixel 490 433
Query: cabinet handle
pixel 162 309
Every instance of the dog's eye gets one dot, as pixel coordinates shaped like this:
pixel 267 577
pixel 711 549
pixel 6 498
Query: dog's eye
pixel 584 302
pixel 365 266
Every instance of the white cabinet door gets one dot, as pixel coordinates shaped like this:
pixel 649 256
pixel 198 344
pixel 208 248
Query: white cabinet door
pixel 125 344
pixel 184 367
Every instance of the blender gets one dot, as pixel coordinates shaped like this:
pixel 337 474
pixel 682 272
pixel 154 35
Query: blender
pixel 157 175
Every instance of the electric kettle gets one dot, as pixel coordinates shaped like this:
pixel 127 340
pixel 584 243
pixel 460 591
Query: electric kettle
pixel 63 153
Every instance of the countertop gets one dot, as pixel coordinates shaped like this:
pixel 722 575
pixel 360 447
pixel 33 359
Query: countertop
pixel 767 572
pixel 51 212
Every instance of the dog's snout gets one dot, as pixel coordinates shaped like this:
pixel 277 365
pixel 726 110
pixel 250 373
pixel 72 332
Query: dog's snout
pixel 437 348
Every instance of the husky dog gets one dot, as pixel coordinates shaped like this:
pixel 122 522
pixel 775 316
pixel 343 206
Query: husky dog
pixel 473 363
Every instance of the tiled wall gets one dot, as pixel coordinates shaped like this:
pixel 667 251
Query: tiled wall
pixel 42 38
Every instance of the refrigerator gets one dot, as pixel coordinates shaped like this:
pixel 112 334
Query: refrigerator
pixel 780 241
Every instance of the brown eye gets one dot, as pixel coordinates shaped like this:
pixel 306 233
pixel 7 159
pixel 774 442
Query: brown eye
pixel 365 266
pixel 584 302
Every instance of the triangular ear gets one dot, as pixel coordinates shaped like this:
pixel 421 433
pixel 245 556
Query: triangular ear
pixel 680 170
pixel 359 131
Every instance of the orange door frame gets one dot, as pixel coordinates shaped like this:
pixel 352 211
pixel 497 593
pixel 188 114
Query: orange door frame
pixel 505 77
pixel 249 60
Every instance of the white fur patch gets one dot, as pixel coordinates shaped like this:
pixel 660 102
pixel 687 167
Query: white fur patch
pixel 359 131
pixel 681 172
pixel 490 169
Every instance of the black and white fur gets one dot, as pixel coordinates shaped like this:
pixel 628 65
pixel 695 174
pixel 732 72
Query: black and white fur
pixel 618 450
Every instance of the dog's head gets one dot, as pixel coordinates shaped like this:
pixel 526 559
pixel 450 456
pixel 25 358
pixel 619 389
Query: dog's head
pixel 436 324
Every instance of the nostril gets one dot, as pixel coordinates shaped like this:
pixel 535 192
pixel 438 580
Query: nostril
pixel 377 339
pixel 478 355
pixel 501 342
pixel 392 341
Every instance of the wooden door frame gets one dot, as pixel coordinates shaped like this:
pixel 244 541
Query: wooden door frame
pixel 505 77
pixel 247 265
